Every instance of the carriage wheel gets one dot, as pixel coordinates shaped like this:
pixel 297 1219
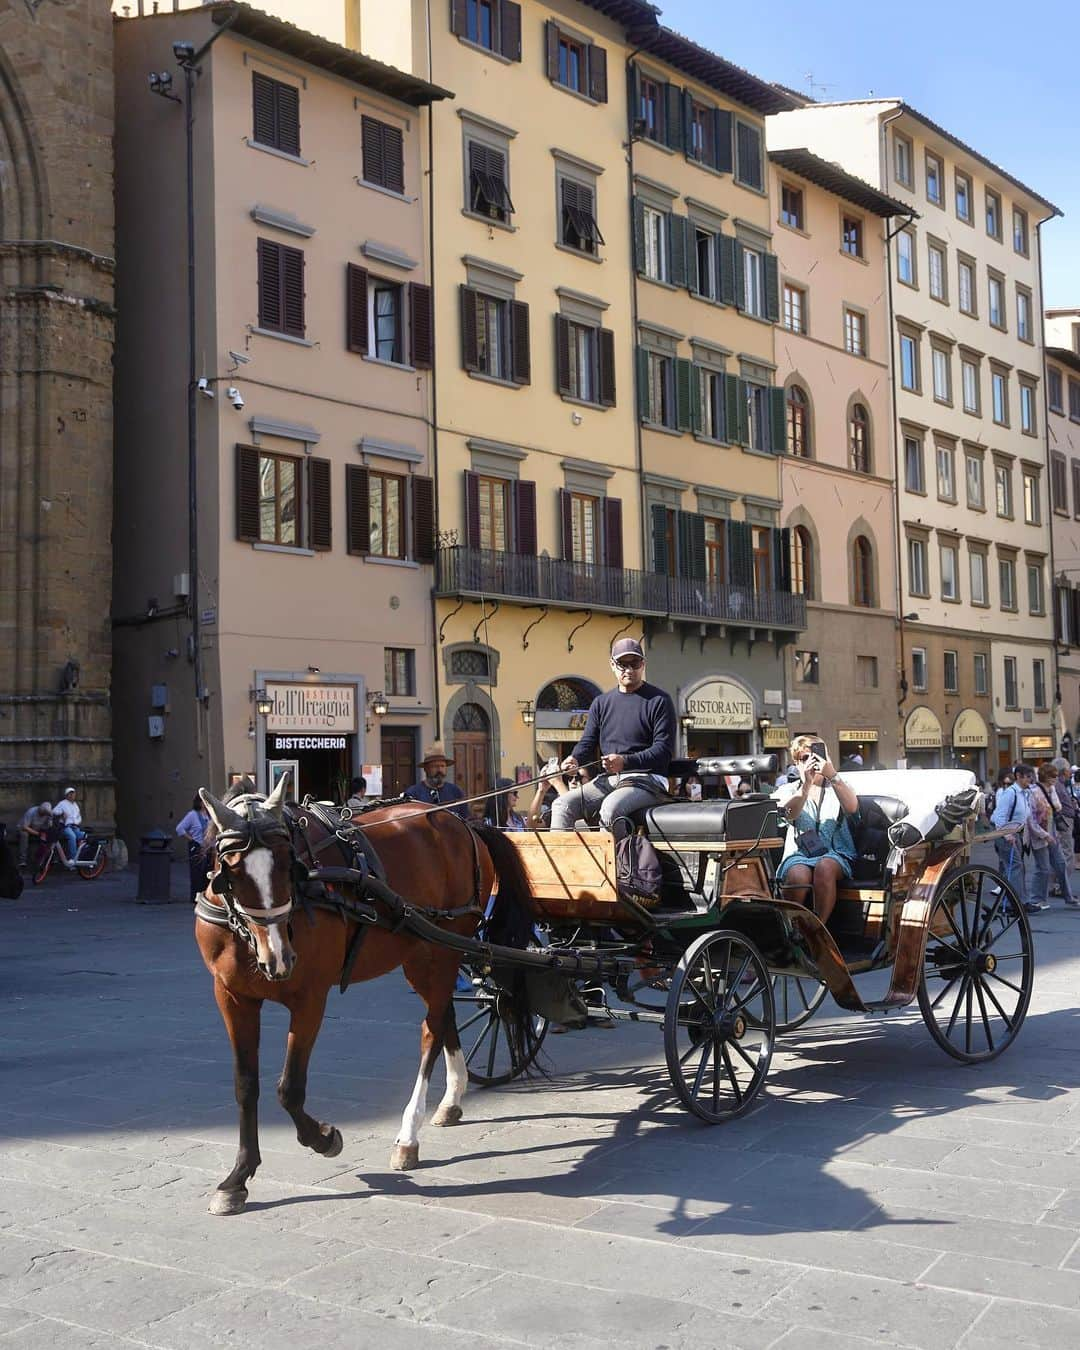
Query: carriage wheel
pixel 719 1026
pixel 796 998
pixel 979 966
pixel 482 1012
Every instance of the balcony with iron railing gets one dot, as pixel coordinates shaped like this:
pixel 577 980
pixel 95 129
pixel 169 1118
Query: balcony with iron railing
pixel 494 575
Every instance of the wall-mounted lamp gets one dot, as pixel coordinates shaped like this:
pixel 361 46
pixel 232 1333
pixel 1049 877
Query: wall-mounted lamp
pixel 528 712
pixel 380 704
pixel 764 723
pixel 313 670
pixel 686 721
pixel 264 704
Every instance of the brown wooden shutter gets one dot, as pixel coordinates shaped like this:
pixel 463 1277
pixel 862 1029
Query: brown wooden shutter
pixel 470 354
pixel 551 33
pixel 356 308
pixel 423 519
pixel 459 16
pixel 357 509
pixel 371 140
pixel 520 360
pixel 269 255
pixel 421 325
pixel 562 354
pixel 292 291
pixel 319 533
pixel 247 494
pixel 472 510
pixel 288 118
pixel 525 518
pixel 393 159
pixel 262 98
pixel 566 524
pixel 598 74
pixel 606 340
pixel 613 550
pixel 510 30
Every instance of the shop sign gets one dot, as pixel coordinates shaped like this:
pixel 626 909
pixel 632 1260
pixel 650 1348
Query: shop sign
pixel 969 731
pixel 794 705
pixel 721 705
pixel 1036 743
pixel 776 738
pixel 312 707
pixel 279 744
pixel 922 730
pixel 857 734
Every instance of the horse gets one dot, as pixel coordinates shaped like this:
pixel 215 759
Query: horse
pixel 259 945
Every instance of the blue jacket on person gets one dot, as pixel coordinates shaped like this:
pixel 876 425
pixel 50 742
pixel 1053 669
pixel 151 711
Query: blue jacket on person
pixel 447 792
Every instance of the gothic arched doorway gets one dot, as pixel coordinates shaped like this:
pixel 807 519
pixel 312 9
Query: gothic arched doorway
pixel 472 750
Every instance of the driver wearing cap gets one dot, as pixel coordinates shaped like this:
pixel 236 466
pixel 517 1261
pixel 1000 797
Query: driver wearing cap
pixel 631 730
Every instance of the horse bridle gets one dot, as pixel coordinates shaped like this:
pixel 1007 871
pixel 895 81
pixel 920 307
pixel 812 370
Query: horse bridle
pixel 263 834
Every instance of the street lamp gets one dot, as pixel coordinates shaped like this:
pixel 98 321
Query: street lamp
pixel 528 712
pixel 264 704
pixel 380 704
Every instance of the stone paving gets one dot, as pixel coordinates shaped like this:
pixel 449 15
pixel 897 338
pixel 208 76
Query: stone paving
pixel 879 1195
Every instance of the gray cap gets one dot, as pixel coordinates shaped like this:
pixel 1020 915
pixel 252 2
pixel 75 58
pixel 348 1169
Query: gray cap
pixel 626 647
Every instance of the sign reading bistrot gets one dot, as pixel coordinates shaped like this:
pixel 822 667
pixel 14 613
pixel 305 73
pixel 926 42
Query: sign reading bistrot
pixel 312 707
pixel 721 706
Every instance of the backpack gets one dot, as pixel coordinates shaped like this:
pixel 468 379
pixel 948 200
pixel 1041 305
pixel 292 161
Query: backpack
pixel 638 874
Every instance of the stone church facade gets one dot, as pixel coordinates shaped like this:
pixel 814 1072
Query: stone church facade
pixel 56 380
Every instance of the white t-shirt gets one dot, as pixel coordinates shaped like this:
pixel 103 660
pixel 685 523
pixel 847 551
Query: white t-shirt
pixel 68 811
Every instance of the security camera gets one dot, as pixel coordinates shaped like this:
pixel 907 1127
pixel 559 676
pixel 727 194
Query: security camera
pixel 238 358
pixel 183 51
pixel 203 387
pixel 234 396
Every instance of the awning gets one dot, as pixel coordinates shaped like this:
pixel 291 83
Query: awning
pixel 969 731
pixel 922 730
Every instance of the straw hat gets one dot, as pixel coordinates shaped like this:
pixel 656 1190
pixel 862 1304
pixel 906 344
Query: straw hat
pixel 433 753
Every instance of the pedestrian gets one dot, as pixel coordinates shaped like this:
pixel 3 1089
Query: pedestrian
pixel 1067 805
pixel 1012 807
pixel 193 829
pixel 68 814
pixel 357 794
pixel 435 787
pixel 35 824
pixel 1046 853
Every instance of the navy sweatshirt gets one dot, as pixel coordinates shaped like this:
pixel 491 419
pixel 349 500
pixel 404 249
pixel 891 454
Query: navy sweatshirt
pixel 639 726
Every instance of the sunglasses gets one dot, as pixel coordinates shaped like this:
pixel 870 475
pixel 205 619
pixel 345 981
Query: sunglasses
pixel 630 663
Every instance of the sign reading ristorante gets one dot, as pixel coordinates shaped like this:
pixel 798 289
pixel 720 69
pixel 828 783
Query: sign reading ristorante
pixel 722 706
pixel 312 707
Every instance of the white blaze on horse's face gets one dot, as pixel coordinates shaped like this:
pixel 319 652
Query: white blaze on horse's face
pixel 273 950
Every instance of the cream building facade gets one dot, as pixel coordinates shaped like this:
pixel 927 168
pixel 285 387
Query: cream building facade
pixel 315 502
pixel 976 630
pixel 1062 328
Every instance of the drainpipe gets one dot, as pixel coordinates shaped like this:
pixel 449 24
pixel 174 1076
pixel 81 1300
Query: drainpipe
pixel 638 438
pixel 1049 472
pixel 433 378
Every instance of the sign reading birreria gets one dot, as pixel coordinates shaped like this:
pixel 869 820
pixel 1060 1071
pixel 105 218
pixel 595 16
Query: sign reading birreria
pixel 721 706
pixel 312 707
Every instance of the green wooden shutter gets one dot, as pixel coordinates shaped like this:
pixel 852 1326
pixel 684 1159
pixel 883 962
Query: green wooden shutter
pixel 320 535
pixel 639 234
pixel 693 284
pixel 673 125
pixel 723 158
pixel 684 394
pixel 697 546
pixel 677 248
pixel 736 421
pixel 520 361
pixel 726 249
pixel 606 340
pixel 696 378
pixel 642 383
pixel 470 347
pixel 772 288
pixel 777 421
pixel 740 553
pixel 684 548
pixel 633 96
pixel 740 276
pixel 659 538
pixel 598 74
pixel 551 44
pixel 562 354
pixel 782 559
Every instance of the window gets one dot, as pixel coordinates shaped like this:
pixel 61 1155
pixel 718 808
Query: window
pixel 1036 597
pixel 702 133
pixel 1007 582
pixel 1027 408
pixel 918 668
pixel 758 412
pixel 902 160
pixel 715 550
pixel 651 108
pixel 866 676
pixel 279 500
pixel 794 309
pixel 754 282
pixel 973 477
pixel 934 178
pixel 281 288
pixel 980 580
pixel 495 336
pixel 276 120
pixel 993 214
pixel 951 672
pixel 937 273
pixel 660 390
pixel 1059 492
pixel 942 370
pixel 979 673
pixel 585 362
pixel 806 667
pixel 386 501
pixel 494 512
pixel 918 569
pixel 969 373
pixel 862 572
pixel 571 64
pixel 480 22
pixel 914 474
pixel 488 192
pixel 851 236
pixel 656 243
pixel 1012 696
pixel 577 224
pixel 385 320
pixel 965 284
pixel 708 271
pixel 909 362
pixel 492 337
pixel 1038 683
pixel 582 367
pixel 383 154
pixel 1020 231
pixel 791 206
pixel 711 400
pixel 1032 508
pixel 999 386
pixel 1054 391
pixel 1024 329
pixel 854 332
pixel 997 300
pixel 1076 487
pixel 1074 400
pixel 762 543
pixel 905 257
pixel 748 159
pixel 963 196
pixel 950 572
pixel 1003 493
pixel 798 423
pixel 399 671
pixel 492 24
pixel 584 528
pixel 802 562
pixel 859 439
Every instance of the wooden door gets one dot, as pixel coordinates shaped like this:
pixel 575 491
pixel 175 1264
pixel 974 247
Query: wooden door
pixel 472 762
pixel 398 760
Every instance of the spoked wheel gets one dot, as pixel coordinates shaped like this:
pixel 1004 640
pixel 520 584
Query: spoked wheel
pixel 719 1026
pixel 93 872
pixel 979 966
pixel 483 1013
pixel 796 998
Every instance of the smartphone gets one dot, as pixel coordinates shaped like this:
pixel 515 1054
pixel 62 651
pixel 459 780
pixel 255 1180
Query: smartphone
pixel 819 748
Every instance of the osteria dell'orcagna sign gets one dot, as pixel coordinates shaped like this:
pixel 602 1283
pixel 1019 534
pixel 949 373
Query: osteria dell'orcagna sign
pixel 312 707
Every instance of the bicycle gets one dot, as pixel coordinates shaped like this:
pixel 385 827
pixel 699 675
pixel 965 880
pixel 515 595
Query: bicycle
pixel 90 857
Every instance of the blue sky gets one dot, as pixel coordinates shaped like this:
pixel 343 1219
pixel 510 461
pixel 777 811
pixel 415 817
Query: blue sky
pixel 999 76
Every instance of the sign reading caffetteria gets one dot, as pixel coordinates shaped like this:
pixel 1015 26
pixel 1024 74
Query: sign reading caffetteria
pixel 312 707
pixel 722 706
pixel 279 744
pixel 922 730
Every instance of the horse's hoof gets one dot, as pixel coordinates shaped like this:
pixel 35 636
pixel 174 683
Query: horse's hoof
pixel 447 1115
pixel 405 1157
pixel 228 1202
pixel 335 1145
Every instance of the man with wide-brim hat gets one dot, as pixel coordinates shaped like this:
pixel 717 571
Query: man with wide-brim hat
pixel 434 787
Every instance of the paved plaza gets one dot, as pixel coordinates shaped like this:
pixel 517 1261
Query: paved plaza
pixel 879 1194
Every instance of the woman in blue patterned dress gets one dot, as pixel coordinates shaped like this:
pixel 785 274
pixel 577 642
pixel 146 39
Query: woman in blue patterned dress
pixel 820 849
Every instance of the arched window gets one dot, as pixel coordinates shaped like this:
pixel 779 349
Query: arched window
pixel 471 717
pixel 862 572
pixel 802 562
pixel 567 694
pixel 859 436
pixel 798 423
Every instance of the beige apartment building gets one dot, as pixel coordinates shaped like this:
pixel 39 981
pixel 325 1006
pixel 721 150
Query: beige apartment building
pixel 832 355
pixel 976 635
pixel 1062 328
pixel 314 504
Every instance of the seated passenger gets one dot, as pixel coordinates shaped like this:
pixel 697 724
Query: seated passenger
pixel 820 849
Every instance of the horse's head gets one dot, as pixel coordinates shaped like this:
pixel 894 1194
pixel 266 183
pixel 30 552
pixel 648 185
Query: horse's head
pixel 253 872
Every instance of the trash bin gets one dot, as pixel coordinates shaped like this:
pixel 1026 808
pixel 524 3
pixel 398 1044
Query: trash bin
pixel 155 868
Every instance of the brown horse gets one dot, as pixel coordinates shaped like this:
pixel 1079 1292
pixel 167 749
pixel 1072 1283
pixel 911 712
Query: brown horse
pixel 258 853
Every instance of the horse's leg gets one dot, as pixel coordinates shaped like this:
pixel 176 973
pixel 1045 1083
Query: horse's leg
pixel 406 1153
pixel 305 1019
pixel 449 1111
pixel 241 1016
pixel 433 974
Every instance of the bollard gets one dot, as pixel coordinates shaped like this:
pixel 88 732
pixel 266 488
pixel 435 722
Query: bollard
pixel 155 868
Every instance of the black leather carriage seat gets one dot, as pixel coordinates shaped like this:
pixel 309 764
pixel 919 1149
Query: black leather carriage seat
pixel 871 835
pixel 687 820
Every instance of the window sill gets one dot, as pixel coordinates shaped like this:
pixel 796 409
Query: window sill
pixel 911 285
pixel 973 412
pixel 708 168
pixel 659 281
pixel 279 154
pixel 1028 340
pixel 493 379
pixel 977 506
pixel 702 439
pixel 940 299
pixel 577 252
pixel 794 229
pixel 284 548
pixel 489 220
pixel 655 145
pixel 575 93
pixel 749 187
pixel 386 192
pixel 915 492
pixel 391 562
pixel 853 257
pixel 659 426
pixel 586 403
pixel 485 51
pixel 970 314
pixel 390 365
pixel 1060 411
